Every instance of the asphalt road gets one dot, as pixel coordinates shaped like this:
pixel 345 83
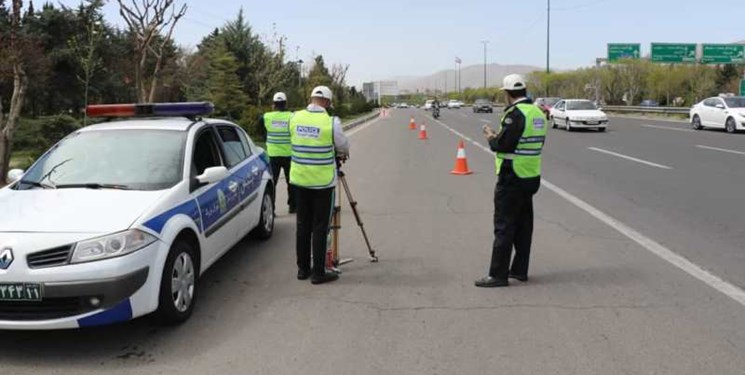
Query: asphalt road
pixel 597 302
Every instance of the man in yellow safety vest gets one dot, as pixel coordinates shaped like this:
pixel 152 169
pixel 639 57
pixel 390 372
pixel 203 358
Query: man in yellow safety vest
pixel 317 141
pixel 278 147
pixel 518 147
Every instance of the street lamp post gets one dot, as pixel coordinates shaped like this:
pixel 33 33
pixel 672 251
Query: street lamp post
pixel 485 42
pixel 548 43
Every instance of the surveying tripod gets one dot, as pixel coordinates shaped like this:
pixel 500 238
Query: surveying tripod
pixel 336 223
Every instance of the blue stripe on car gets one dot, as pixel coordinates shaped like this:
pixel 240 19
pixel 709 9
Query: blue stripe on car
pixel 188 208
pixel 122 312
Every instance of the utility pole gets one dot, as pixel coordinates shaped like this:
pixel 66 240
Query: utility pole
pixel 548 44
pixel 485 42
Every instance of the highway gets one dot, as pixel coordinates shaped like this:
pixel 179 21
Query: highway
pixel 637 265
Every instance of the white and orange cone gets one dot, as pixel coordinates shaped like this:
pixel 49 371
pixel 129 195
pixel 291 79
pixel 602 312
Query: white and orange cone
pixel 412 124
pixel 423 132
pixel 461 162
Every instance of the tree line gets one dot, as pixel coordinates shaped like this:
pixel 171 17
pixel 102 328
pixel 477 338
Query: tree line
pixel 57 59
pixel 631 81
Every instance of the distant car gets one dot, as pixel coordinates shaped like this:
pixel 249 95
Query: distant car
pixel 545 104
pixel 722 113
pixel 403 105
pixel 482 105
pixel 454 104
pixel 577 113
pixel 649 103
pixel 428 105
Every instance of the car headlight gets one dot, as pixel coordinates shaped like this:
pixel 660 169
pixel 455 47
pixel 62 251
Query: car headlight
pixel 111 246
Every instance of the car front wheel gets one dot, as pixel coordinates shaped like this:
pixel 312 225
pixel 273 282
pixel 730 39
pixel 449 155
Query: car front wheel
pixel 178 285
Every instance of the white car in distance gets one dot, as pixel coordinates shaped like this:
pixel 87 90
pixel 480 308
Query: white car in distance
pixel 574 114
pixel 726 113
pixel 454 104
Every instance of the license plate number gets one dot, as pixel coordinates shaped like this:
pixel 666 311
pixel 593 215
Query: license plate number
pixel 20 292
pixel 592 122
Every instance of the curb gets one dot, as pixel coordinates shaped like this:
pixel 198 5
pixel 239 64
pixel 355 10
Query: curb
pixel 360 121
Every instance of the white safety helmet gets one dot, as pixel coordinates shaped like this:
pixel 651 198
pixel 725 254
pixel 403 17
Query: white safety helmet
pixel 322 92
pixel 280 97
pixel 514 82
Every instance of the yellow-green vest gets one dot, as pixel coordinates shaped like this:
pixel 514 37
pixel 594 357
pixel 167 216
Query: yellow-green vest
pixel 526 160
pixel 313 158
pixel 277 126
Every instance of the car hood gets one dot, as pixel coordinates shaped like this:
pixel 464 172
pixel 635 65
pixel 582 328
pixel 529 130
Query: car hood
pixel 587 113
pixel 72 210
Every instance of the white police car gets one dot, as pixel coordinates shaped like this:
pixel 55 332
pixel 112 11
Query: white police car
pixel 119 219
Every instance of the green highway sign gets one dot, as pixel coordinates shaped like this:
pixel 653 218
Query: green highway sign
pixel 723 54
pixel 620 51
pixel 674 52
pixel 742 87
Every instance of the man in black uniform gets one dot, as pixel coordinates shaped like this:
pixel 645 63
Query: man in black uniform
pixel 518 146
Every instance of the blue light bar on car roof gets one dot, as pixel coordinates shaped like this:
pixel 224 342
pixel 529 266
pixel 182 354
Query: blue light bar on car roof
pixel 156 109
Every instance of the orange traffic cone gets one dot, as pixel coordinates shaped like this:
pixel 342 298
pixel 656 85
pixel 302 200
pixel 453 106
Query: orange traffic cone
pixel 423 132
pixel 461 162
pixel 412 124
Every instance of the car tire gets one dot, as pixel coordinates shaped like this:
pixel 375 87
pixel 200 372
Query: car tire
pixel 180 271
pixel 553 123
pixel 568 125
pixel 601 129
pixel 696 123
pixel 730 126
pixel 265 229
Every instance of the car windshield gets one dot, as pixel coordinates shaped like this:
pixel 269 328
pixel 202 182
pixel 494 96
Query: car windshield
pixel 118 159
pixel 482 101
pixel 580 105
pixel 737 102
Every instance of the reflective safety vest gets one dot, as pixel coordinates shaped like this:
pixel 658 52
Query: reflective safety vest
pixel 277 126
pixel 526 160
pixel 313 158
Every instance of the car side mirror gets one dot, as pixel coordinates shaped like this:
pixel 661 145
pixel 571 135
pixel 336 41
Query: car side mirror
pixel 15 175
pixel 720 106
pixel 212 175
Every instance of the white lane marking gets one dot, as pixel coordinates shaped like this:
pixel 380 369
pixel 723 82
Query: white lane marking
pixel 721 149
pixel 714 281
pixel 667 128
pixel 629 158
pixel 485 120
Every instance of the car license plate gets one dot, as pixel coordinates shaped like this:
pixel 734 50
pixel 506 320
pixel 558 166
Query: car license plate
pixel 20 292
pixel 592 122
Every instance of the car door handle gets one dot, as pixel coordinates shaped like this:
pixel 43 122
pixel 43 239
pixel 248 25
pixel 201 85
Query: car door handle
pixel 233 186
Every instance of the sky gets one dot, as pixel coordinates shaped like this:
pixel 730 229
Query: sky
pixel 390 38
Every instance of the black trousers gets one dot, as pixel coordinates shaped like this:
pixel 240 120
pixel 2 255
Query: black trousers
pixel 283 162
pixel 513 225
pixel 313 217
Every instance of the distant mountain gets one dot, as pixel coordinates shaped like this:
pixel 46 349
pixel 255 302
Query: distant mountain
pixel 471 76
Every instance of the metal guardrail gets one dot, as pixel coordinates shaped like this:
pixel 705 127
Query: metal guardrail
pixel 640 109
pixel 359 121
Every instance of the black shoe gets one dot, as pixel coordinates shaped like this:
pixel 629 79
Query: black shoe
pixel 490 282
pixel 519 277
pixel 325 278
pixel 293 210
pixel 303 275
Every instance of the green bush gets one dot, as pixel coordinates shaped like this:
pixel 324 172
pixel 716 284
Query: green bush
pixel 34 136
pixel 250 122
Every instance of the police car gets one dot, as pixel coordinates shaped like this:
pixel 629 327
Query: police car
pixel 119 219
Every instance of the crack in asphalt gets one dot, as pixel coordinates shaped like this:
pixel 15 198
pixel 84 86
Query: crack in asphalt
pixel 377 307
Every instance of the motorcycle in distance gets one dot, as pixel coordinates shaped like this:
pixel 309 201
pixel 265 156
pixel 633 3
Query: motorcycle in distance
pixel 436 112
